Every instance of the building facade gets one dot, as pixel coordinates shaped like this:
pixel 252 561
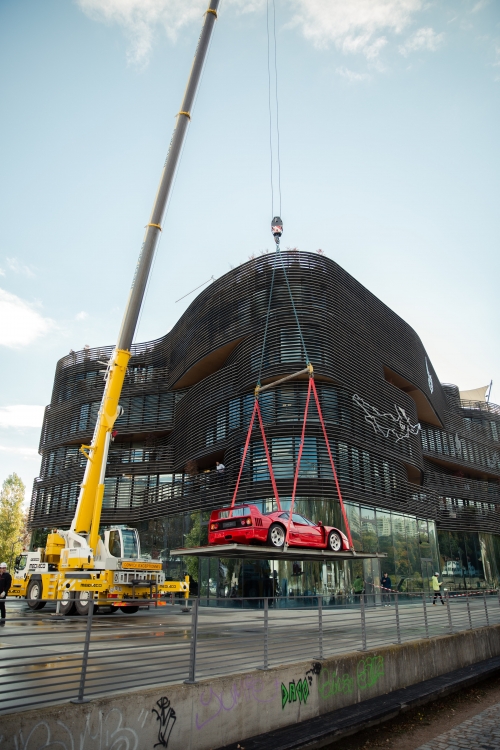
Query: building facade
pixel 419 468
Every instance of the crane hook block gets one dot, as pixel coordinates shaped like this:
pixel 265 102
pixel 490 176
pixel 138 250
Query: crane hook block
pixel 277 229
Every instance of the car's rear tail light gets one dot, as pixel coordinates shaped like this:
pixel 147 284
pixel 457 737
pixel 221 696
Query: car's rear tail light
pixel 214 526
pixel 246 522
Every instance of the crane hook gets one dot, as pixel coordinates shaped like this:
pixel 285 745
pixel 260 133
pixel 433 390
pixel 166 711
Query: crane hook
pixel 277 229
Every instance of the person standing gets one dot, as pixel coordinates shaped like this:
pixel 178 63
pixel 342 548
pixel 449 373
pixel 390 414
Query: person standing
pixel 220 468
pixel 5 584
pixel 386 585
pixel 436 587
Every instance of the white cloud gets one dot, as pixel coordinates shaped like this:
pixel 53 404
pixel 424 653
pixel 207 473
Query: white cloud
pixel 2 272
pixel 357 26
pixel 425 38
pixel 351 75
pixel 18 267
pixel 20 323
pixel 139 17
pixel 21 415
pixel 23 451
pixel 82 315
pixel 353 26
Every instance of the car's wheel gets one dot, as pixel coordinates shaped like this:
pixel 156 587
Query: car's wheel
pixel 82 602
pixel 129 610
pixel 34 595
pixel 67 603
pixel 334 541
pixel 276 535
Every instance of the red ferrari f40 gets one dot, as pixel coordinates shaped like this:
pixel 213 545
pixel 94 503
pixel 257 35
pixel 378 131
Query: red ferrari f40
pixel 246 524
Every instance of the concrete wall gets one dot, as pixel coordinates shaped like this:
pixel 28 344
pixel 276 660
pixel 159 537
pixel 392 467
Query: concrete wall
pixel 213 713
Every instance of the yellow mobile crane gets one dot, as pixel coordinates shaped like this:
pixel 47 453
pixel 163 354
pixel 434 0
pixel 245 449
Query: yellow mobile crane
pixel 78 565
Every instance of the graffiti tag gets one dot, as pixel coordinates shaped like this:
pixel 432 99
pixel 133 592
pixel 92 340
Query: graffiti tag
pixel 369 671
pixel 296 691
pixel 167 718
pixel 334 684
pixel 245 690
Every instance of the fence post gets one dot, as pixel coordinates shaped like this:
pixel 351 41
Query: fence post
pixel 468 609
pixel 85 656
pixel 363 622
pixel 320 623
pixel 486 609
pixel 450 624
pixel 425 616
pixel 194 642
pixel 396 610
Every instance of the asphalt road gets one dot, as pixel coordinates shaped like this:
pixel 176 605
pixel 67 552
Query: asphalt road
pixel 41 654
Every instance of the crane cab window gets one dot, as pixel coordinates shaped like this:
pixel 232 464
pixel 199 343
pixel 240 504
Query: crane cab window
pixel 20 563
pixel 130 546
pixel 115 547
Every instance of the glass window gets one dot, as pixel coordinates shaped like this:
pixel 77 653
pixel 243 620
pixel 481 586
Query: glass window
pixel 221 422
pixel 234 414
pixel 369 529
pixel 309 458
pixel 353 516
pixel 115 548
pixel 291 347
pixel 282 457
pixel 130 546
pixel 385 541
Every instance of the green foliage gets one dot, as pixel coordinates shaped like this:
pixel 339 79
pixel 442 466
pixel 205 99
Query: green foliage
pixel 197 537
pixel 12 519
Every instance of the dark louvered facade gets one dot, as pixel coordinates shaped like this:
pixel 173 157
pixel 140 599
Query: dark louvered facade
pixel 403 443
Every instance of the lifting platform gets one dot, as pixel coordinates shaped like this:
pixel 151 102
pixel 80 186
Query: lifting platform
pixel 256 552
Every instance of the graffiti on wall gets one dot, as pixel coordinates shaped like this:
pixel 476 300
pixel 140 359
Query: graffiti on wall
pixel 244 690
pixel 104 731
pixel 165 714
pixel 296 691
pixel 368 671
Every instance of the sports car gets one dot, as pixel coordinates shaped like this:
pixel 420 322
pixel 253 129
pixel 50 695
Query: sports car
pixel 246 524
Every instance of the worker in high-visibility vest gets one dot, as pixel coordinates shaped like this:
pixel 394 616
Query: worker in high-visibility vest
pixel 436 587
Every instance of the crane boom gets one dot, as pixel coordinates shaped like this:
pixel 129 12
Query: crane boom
pixel 88 511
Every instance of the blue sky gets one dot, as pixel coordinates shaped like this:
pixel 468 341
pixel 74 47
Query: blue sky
pixel 389 113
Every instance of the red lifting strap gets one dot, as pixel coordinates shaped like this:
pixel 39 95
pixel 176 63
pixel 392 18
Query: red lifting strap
pixel 312 387
pixel 256 410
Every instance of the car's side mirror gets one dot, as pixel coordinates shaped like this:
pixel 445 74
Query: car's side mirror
pixel 320 523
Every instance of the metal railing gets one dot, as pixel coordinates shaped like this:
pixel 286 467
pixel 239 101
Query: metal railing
pixel 47 658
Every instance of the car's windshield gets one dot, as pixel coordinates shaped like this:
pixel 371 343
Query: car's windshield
pixel 297 519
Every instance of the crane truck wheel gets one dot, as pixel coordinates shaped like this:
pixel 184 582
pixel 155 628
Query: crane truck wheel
pixel 82 603
pixel 67 603
pixel 34 595
pixel 129 610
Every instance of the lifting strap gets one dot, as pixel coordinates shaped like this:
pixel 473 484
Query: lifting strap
pixel 312 387
pixel 256 410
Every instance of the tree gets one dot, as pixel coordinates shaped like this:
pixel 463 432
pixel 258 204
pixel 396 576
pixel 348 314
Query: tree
pixel 12 519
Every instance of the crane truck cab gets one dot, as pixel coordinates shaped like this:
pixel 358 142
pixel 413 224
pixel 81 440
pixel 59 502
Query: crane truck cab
pixel 67 570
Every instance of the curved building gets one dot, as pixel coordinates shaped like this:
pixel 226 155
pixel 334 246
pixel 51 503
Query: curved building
pixel 418 467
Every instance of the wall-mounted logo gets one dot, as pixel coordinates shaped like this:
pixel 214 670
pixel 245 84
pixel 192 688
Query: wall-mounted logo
pixel 429 377
pixel 399 425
